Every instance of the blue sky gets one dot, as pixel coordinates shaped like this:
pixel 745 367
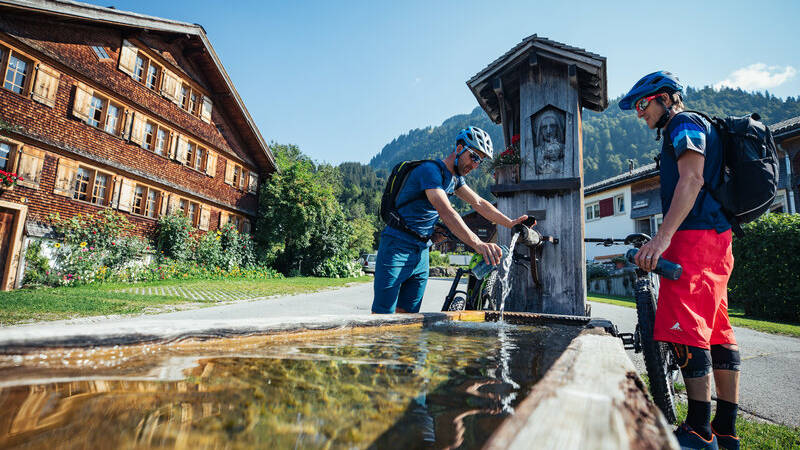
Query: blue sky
pixel 342 78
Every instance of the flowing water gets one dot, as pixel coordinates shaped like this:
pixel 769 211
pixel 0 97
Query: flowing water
pixel 504 271
pixel 444 386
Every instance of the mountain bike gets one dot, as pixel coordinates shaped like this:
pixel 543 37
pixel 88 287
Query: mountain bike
pixel 481 295
pixel 659 359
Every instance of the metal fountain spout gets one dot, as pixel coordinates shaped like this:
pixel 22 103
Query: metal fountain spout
pixel 534 240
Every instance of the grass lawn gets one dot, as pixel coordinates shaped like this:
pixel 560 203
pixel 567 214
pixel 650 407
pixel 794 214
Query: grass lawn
pixel 33 305
pixel 737 316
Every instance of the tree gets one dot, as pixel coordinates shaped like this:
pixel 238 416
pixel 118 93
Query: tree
pixel 301 225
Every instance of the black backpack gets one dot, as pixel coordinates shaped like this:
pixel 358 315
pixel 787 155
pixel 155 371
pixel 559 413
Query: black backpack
pixel 389 207
pixel 749 169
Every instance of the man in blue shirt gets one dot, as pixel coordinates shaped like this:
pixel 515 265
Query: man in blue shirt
pixel 692 312
pixel 401 269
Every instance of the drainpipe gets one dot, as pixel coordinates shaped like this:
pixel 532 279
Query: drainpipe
pixel 790 192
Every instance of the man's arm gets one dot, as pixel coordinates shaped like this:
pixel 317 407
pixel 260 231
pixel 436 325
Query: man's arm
pixel 454 222
pixel 485 208
pixel 690 181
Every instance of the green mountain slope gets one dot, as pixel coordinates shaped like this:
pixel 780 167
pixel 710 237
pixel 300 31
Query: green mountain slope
pixel 611 138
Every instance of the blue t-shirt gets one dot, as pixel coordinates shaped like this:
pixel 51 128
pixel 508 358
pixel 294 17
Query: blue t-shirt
pixel 692 132
pixel 416 210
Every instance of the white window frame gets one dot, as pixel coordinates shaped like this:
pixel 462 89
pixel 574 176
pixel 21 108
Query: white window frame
pixel 619 204
pixel 594 207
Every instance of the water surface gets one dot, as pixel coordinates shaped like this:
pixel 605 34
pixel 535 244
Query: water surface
pixel 447 386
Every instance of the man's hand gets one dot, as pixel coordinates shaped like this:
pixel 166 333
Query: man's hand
pixel 491 252
pixel 648 255
pixel 518 220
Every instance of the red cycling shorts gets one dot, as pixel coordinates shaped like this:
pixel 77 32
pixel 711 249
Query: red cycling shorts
pixel 693 310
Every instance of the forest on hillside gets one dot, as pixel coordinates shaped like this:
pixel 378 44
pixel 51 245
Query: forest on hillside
pixel 611 138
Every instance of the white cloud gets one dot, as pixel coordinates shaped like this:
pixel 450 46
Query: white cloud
pixel 758 76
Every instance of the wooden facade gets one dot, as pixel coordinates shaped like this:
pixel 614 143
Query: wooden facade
pixel 107 109
pixel 538 90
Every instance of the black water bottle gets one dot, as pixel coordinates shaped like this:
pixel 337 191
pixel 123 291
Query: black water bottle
pixel 666 269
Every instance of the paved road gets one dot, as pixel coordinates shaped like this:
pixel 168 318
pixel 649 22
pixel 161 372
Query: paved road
pixel 770 377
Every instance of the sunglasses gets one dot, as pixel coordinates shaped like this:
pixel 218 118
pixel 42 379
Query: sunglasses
pixel 643 103
pixel 475 157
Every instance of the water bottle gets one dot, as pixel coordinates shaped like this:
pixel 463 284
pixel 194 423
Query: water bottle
pixel 666 269
pixel 483 268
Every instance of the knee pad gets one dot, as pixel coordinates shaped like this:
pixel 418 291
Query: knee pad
pixel 724 358
pixel 694 362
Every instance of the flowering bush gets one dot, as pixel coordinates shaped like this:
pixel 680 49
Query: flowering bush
pixel 510 155
pixel 338 267
pixel 9 179
pixel 176 270
pixel 173 237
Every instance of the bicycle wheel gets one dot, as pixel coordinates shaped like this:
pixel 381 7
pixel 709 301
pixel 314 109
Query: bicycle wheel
pixel 458 304
pixel 489 294
pixel 657 355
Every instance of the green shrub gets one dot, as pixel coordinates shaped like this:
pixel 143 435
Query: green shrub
pixel 182 270
pixel 764 279
pixel 37 267
pixel 438 259
pixel 595 270
pixel 173 236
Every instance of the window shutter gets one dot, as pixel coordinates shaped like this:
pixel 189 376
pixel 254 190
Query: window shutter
pixel 30 166
pixel 46 85
pixel 253 184
pixel 607 207
pixel 174 204
pixel 164 204
pixel 137 129
pixel 211 164
pixel 65 177
pixel 205 112
pixel 246 226
pixel 205 217
pixel 181 152
pixel 223 218
pixel 229 172
pixel 125 195
pixel 127 57
pixel 169 85
pixel 81 105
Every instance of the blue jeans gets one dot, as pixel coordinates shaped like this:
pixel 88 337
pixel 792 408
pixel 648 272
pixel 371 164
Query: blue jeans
pixel 401 273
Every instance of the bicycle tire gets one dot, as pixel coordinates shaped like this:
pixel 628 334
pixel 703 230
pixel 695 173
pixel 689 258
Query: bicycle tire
pixel 657 355
pixel 458 304
pixel 488 295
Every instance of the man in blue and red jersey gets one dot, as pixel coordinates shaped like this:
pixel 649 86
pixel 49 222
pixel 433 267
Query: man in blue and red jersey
pixel 692 311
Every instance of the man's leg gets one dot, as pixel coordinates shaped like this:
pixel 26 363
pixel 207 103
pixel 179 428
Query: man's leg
pixel 695 364
pixel 409 299
pixel 726 376
pixel 392 268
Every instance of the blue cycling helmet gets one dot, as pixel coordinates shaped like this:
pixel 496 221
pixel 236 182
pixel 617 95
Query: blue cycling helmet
pixel 476 139
pixel 650 84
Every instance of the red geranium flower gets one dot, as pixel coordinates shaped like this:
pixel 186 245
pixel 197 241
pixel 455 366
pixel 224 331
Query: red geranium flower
pixel 515 139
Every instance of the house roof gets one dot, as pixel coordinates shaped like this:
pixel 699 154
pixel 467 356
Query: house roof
pixel 787 128
pixel 204 54
pixel 640 173
pixel 590 72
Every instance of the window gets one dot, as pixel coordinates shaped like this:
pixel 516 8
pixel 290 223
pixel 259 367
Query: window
pixel 17 72
pixel 191 148
pixel 162 141
pixel 152 76
pixel 619 204
pixel 237 175
pixel 190 210
pixel 5 154
pixel 100 52
pixel 146 201
pixel 92 186
pixel 593 211
pixel 139 68
pixel 195 156
pixel 104 114
pixel 190 99
pixel 149 134
pixel 184 98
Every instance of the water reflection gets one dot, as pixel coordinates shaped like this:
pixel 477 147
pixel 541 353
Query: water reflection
pixel 445 387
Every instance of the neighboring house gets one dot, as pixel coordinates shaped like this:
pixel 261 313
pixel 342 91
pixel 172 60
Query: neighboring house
pixel 631 203
pixel 484 228
pixel 101 108
pixel 787 137
pixel 621 205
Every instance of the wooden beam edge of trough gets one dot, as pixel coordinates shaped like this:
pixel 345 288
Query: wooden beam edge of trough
pixel 590 398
